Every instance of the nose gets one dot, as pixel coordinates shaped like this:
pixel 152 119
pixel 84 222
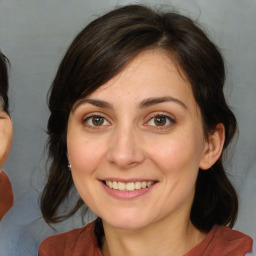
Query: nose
pixel 124 150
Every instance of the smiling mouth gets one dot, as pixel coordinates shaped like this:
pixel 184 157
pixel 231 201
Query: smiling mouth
pixel 129 186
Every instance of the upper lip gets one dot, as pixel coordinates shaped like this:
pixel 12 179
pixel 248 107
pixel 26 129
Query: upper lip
pixel 128 180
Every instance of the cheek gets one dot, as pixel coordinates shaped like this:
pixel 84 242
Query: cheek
pixel 6 133
pixel 177 155
pixel 84 154
pixel 178 161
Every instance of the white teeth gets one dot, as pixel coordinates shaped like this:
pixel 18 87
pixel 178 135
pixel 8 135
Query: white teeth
pixel 115 185
pixel 109 184
pixel 121 186
pixel 130 186
pixel 138 185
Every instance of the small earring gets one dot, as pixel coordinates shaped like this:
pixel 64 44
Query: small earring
pixel 69 166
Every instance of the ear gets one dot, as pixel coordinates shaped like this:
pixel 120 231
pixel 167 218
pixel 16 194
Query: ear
pixel 213 147
pixel 6 133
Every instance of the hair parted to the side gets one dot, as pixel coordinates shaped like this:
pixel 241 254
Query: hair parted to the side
pixel 4 83
pixel 103 49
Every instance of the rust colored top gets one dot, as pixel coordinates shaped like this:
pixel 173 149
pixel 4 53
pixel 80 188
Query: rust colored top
pixel 6 195
pixel 220 241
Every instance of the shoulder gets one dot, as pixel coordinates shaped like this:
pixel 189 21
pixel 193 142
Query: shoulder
pixel 6 194
pixel 223 241
pixel 76 241
pixel 236 242
pixel 230 234
pixel 229 242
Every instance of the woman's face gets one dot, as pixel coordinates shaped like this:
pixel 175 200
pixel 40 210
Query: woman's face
pixel 5 136
pixel 136 144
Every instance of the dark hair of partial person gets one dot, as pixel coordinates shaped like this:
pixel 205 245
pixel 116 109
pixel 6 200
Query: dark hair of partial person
pixel 4 83
pixel 104 48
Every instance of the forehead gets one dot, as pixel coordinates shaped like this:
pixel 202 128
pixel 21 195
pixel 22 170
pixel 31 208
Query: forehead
pixel 152 73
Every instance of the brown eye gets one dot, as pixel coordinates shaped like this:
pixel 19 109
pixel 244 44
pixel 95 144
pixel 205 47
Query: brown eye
pixel 160 120
pixel 95 121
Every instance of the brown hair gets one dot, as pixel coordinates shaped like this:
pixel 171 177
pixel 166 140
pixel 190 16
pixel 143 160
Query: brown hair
pixel 4 83
pixel 99 52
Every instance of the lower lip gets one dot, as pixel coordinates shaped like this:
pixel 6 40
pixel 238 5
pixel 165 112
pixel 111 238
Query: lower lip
pixel 127 195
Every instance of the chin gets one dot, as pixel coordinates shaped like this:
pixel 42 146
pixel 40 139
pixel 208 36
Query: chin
pixel 126 226
pixel 127 222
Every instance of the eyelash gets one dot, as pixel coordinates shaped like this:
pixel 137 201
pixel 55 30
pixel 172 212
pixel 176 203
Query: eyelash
pixel 167 119
pixel 170 121
pixel 86 120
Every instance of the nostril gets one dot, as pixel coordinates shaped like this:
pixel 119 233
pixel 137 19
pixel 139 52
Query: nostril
pixel 126 158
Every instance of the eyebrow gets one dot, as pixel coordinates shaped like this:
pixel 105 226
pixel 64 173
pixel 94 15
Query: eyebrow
pixel 97 103
pixel 152 101
pixel 143 104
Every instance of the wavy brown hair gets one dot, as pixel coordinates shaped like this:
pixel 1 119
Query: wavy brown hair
pixel 99 52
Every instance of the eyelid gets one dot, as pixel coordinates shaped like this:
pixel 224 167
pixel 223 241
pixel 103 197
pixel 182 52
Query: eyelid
pixel 91 115
pixel 161 114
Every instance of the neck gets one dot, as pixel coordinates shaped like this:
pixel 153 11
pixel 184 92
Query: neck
pixel 162 238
